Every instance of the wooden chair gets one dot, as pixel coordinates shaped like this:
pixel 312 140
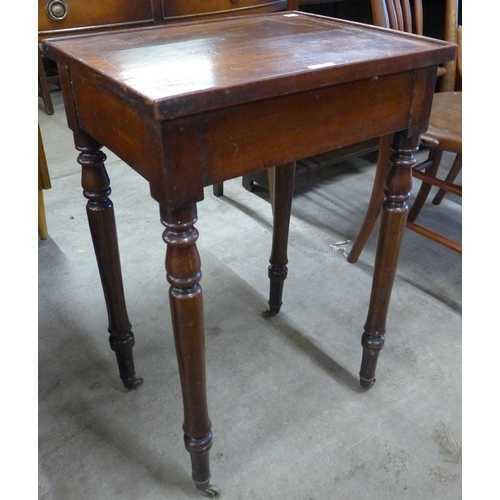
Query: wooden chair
pixel 444 132
pixel 43 183
pixel 47 78
pixel 43 86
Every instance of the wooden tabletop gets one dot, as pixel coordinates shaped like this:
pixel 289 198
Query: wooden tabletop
pixel 194 67
pixel 195 104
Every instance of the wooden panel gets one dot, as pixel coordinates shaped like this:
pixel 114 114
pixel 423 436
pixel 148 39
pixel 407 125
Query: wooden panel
pixel 211 148
pixel 173 9
pixel 96 14
pixel 284 132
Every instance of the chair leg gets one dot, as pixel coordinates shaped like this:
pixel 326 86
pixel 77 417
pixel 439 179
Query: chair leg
pixel 42 81
pixel 42 221
pixel 434 161
pixel 452 175
pixel 218 189
pixel 376 200
pixel 271 176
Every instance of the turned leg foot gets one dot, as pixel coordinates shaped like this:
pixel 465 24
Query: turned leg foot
pixel 200 464
pixel 372 345
pixel 186 305
pixel 392 225
pixel 122 346
pixel 277 272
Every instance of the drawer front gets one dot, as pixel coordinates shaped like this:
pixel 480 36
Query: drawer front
pixel 182 9
pixel 68 16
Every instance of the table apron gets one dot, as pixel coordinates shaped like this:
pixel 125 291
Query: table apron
pixel 180 156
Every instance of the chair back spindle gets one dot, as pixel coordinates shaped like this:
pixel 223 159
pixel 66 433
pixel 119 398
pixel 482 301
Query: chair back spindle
pixel 399 15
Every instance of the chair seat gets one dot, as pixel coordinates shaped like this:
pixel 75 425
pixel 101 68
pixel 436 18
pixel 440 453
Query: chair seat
pixel 445 123
pixel 443 134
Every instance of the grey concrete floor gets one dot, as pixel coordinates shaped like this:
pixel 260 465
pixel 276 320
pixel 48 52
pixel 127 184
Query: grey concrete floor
pixel 289 419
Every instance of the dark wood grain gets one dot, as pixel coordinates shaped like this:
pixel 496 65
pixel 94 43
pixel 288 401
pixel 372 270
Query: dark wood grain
pixel 191 68
pixel 195 104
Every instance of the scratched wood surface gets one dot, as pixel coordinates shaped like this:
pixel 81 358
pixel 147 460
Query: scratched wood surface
pixel 195 67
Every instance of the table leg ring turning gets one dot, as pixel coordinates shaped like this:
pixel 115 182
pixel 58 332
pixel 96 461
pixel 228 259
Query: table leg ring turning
pixel 372 345
pixel 122 346
pixel 200 464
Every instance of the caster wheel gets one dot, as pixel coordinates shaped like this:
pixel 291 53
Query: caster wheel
pixel 211 491
pixel 133 383
pixel 268 314
pixel 366 383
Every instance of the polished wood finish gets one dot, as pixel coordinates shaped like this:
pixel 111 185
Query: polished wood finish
pixel 194 104
pixel 283 177
pixel 431 17
pixel 183 267
pixel 87 16
pixel 100 214
pixel 444 132
pixel 394 211
pixel 188 9
pixel 92 16
pixel 309 169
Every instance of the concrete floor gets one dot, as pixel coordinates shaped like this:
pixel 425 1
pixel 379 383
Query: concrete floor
pixel 289 419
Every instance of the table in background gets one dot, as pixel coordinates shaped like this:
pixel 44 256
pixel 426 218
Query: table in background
pixel 191 105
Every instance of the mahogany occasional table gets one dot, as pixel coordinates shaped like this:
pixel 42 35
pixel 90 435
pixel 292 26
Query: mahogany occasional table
pixel 193 104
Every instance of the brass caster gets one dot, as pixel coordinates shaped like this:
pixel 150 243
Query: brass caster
pixel 133 383
pixel 366 383
pixel 211 491
pixel 269 314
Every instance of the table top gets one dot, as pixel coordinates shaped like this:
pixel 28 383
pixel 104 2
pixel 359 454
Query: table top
pixel 175 70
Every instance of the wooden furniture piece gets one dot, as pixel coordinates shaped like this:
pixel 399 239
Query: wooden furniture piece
pixel 308 169
pixel 44 81
pixel 191 105
pixel 43 183
pixel 67 17
pixel 444 132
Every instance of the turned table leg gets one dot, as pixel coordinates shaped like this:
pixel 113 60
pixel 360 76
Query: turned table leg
pixel 392 226
pixel 283 193
pixel 100 213
pixel 184 273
